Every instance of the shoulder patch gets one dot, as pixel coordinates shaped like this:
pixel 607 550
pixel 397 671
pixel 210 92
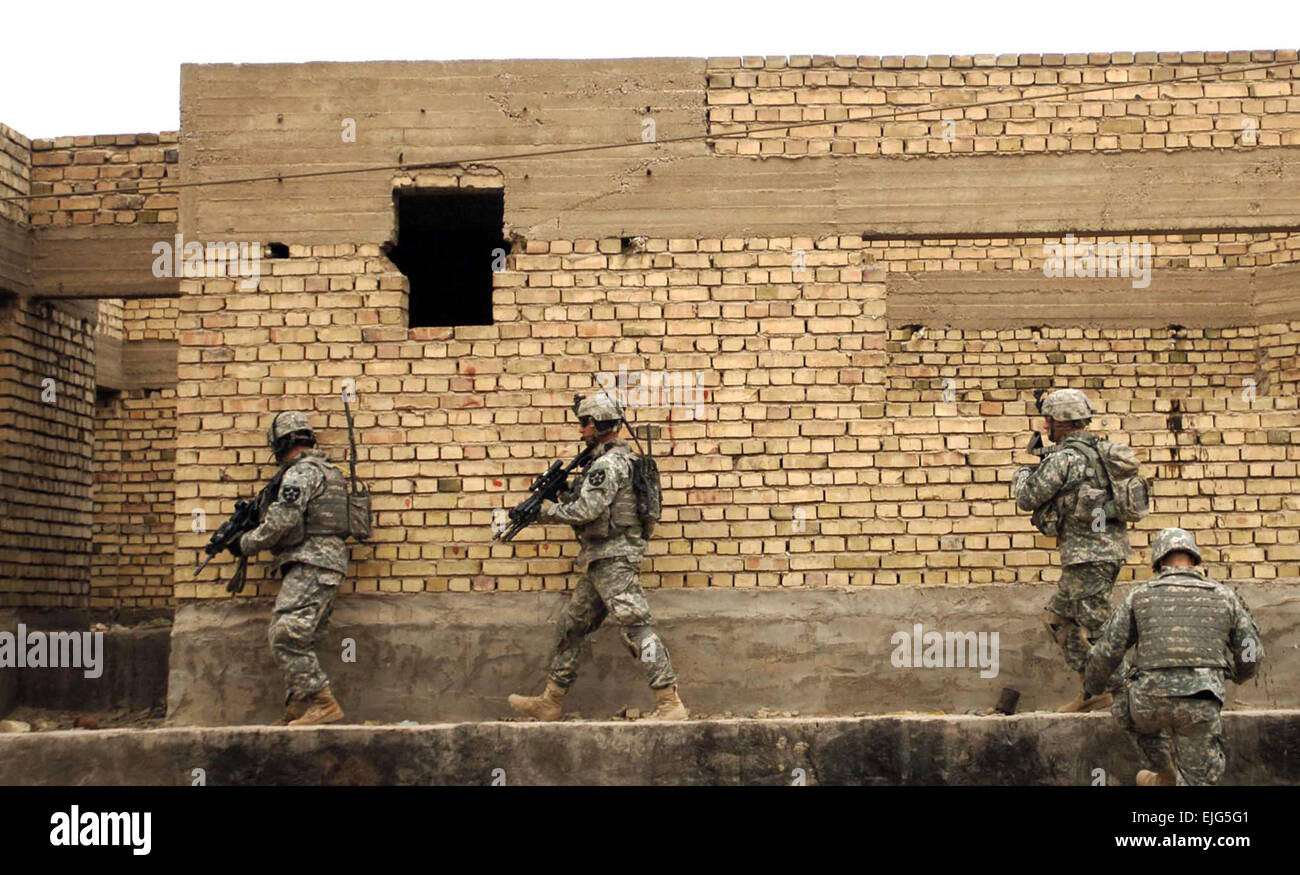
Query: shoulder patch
pixel 290 494
pixel 596 477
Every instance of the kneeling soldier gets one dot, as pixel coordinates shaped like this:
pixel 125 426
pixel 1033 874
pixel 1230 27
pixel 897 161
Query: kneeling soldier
pixel 603 512
pixel 1190 633
pixel 304 525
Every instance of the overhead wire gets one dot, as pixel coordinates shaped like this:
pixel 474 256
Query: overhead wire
pixel 162 186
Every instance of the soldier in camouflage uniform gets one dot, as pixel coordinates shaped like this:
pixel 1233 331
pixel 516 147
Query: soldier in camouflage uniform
pixel 1069 489
pixel 1190 633
pixel 303 525
pixel 601 507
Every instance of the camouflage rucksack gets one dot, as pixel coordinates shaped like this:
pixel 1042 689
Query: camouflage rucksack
pixel 1129 490
pixel 649 494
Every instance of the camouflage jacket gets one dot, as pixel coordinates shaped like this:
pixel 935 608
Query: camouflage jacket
pixel 601 507
pixel 1071 477
pixel 283 526
pixel 1121 632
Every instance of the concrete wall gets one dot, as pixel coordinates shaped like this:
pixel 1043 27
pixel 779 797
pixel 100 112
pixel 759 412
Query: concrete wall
pixel 133 666
pixel 268 119
pixel 1029 750
pixel 8 677
pixel 442 657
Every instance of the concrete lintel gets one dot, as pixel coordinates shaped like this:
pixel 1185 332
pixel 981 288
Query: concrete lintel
pixel 1215 298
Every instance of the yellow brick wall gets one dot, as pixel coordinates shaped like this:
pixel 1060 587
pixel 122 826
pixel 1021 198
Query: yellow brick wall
pixel 15 173
pixel 47 394
pixel 827 454
pixel 133 467
pixel 1280 351
pixel 86 483
pixel 1223 459
pixel 846 91
pixel 85 178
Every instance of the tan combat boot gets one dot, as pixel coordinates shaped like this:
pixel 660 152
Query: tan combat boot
pixel 544 707
pixel 1083 703
pixel 1166 777
pixel 295 709
pixel 668 706
pixel 321 708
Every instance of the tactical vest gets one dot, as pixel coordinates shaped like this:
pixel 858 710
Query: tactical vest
pixel 1183 621
pixel 621 516
pixel 1090 492
pixel 327 513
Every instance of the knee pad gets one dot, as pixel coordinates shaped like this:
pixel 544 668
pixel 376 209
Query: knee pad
pixel 636 638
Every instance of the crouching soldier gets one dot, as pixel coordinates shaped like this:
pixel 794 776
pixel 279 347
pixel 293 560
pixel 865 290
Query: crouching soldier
pixel 602 508
pixel 1189 634
pixel 303 524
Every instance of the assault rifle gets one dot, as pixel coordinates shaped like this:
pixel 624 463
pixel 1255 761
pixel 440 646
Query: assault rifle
pixel 546 487
pixel 1036 442
pixel 247 516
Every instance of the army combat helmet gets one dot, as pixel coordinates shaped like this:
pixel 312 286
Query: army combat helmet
pixel 600 408
pixel 289 428
pixel 1169 541
pixel 1067 405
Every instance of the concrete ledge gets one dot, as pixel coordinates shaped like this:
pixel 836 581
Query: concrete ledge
pixel 438 657
pixel 8 678
pixel 1031 749
pixel 134 671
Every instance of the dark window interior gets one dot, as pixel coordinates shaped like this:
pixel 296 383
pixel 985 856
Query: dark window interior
pixel 445 243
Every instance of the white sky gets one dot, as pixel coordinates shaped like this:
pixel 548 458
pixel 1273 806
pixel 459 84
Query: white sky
pixel 100 68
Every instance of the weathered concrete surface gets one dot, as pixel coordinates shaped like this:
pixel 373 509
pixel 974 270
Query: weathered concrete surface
pixel 1017 298
pixel 8 677
pixel 451 657
pixel 133 670
pixel 1037 749
pixel 242 120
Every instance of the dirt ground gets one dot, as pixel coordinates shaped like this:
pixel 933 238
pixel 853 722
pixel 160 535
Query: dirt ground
pixel 49 719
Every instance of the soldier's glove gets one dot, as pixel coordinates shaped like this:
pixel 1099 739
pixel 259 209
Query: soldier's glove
pixel 545 511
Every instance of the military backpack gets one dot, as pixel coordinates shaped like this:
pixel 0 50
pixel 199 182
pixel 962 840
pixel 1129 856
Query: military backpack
pixel 649 494
pixel 1129 490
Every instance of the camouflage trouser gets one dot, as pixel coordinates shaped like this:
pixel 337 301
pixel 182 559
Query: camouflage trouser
pixel 1184 730
pixel 298 624
pixel 1083 600
pixel 610 588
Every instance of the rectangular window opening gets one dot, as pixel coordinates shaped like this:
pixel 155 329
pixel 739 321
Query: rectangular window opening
pixel 448 243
